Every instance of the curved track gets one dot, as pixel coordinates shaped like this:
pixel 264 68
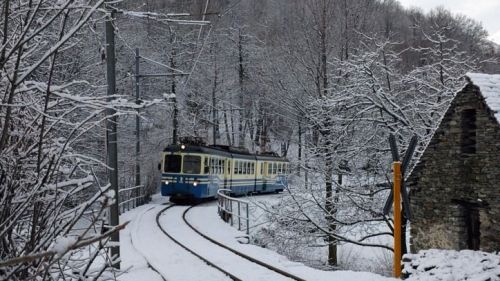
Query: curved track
pixel 142 254
pixel 253 261
pixel 233 277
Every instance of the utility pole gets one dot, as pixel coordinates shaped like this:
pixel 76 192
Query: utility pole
pixel 397 219
pixel 137 127
pixel 111 132
pixel 175 121
pixel 214 119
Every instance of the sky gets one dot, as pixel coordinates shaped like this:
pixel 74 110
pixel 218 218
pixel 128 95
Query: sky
pixel 485 11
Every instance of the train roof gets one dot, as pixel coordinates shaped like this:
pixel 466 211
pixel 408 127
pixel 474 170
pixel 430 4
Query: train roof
pixel 226 151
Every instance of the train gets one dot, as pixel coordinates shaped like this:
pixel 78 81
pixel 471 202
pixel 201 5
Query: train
pixel 195 172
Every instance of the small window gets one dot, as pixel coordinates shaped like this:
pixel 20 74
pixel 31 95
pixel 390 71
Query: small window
pixel 468 124
pixel 206 166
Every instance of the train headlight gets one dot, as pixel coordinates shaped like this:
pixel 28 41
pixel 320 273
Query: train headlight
pixel 166 182
pixel 183 146
pixel 196 182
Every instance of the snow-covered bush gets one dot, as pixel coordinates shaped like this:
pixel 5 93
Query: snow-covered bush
pixel 430 265
pixel 52 205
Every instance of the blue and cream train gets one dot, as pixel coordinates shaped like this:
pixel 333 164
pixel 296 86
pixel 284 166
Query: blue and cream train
pixel 198 171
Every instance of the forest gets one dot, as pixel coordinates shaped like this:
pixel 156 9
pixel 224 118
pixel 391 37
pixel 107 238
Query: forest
pixel 321 82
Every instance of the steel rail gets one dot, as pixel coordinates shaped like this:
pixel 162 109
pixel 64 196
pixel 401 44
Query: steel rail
pixel 251 259
pixel 233 277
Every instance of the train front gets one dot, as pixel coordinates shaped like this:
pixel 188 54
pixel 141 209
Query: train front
pixel 182 177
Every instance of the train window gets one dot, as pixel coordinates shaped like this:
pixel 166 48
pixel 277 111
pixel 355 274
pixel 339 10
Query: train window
pixel 191 164
pixel 269 168
pixel 221 166
pixel 229 166
pixel 172 163
pixel 206 166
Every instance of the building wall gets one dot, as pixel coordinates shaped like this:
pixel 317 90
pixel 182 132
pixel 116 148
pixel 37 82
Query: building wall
pixel 446 183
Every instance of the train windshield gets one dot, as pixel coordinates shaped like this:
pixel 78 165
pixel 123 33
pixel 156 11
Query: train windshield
pixel 192 164
pixel 173 163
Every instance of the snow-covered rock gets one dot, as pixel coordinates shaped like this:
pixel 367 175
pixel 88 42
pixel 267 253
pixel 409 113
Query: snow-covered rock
pixel 452 265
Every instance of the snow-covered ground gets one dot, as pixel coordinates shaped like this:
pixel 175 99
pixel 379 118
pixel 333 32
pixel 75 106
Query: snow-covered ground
pixel 148 254
pixel 351 256
pixel 452 265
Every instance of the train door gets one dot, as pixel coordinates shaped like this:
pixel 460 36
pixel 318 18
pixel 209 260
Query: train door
pixel 227 173
pixel 265 175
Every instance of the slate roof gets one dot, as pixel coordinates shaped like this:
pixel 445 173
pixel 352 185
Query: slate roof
pixel 489 85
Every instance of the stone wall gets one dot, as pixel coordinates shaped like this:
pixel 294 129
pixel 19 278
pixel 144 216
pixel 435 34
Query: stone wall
pixel 446 182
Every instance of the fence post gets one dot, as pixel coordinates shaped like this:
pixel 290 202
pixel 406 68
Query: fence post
pixel 231 207
pixel 248 222
pixel 239 216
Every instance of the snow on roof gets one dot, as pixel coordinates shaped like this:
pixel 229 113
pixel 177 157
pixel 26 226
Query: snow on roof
pixel 489 84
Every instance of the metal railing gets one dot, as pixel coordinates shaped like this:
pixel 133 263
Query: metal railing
pixel 229 214
pixel 130 198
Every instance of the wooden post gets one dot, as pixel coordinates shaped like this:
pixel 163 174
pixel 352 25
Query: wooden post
pixel 397 218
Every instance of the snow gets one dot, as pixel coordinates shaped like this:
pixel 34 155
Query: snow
pixel 453 265
pixel 489 85
pixel 148 253
pixel 205 218
pixel 169 96
pixel 145 249
pixel 62 244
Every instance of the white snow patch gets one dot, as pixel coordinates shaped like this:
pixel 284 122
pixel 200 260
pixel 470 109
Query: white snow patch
pixel 489 84
pixel 62 244
pixel 453 265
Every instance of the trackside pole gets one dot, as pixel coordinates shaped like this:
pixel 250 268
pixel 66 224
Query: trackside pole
pixel 397 218
pixel 111 132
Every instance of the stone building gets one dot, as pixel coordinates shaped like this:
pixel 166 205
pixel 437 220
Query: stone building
pixel 455 186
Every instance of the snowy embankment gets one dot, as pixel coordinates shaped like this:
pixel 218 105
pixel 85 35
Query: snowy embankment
pixel 443 265
pixel 205 218
pixel 147 254
pixel 308 248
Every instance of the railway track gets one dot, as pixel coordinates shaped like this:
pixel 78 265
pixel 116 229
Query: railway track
pixel 252 261
pixel 148 262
